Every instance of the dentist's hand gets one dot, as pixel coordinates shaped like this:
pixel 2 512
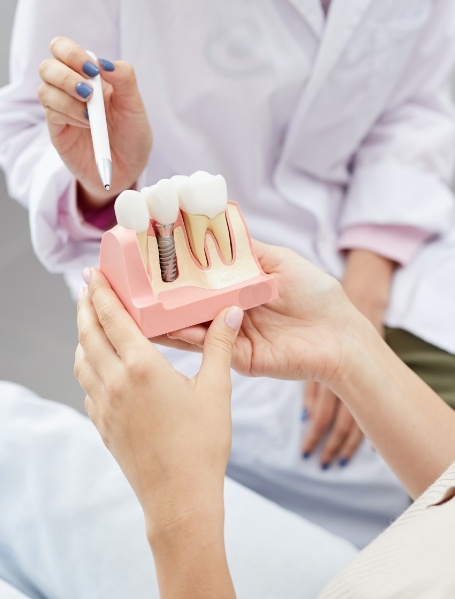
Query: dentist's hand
pixel 170 435
pixel 64 94
pixel 298 336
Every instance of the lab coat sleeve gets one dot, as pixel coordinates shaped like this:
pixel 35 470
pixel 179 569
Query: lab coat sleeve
pixel 403 169
pixel 36 176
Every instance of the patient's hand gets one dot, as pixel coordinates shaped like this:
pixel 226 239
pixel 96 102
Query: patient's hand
pixel 170 435
pixel 367 282
pixel 299 335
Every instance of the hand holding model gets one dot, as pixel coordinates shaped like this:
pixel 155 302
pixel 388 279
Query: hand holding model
pixel 171 436
pixel 366 281
pixel 65 92
pixel 290 338
pixel 135 395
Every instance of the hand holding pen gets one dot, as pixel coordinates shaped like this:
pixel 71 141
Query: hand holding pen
pixel 68 85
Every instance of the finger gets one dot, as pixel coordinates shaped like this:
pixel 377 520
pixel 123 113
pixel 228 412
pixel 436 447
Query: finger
pixel 176 344
pixel 92 412
pixel 86 375
pixel 98 350
pixel 121 75
pixel 351 445
pixel 269 256
pixel 218 346
pixel 192 335
pixel 324 413
pixel 309 399
pixel 119 327
pixel 64 78
pixel 55 99
pixel 70 54
pixel 338 435
pixel 56 121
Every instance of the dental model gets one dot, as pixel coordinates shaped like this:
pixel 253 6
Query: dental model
pixel 206 243
pixel 163 206
pixel 203 201
pixel 131 212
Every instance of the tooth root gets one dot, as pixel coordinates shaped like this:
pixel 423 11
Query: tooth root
pixel 220 229
pixel 196 228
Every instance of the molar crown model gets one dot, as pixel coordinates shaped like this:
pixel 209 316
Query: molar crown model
pixel 203 201
pixel 168 272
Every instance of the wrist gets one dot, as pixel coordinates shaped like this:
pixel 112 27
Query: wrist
pixel 166 532
pixel 367 281
pixel 357 344
pixel 177 506
pixel 190 556
pixel 89 200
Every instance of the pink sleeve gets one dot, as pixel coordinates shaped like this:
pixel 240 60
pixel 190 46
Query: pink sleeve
pixel 80 225
pixel 103 218
pixel 396 242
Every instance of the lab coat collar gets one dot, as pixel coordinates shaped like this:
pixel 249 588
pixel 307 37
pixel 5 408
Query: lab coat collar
pixel 340 24
pixel 313 13
pixel 340 21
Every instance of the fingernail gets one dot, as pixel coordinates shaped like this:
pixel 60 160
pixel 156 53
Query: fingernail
pixel 83 89
pixel 87 275
pixel 304 414
pixel 344 462
pixel 90 69
pixel 106 64
pixel 81 293
pixel 325 465
pixel 86 114
pixel 306 455
pixel 234 318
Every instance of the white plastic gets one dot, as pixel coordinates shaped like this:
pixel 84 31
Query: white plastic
pixel 202 193
pixel 98 127
pixel 162 201
pixel 131 211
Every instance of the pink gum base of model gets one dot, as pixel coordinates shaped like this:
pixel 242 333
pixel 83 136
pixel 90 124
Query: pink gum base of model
pixel 122 265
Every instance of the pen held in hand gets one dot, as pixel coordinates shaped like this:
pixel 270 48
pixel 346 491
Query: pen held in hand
pixel 98 128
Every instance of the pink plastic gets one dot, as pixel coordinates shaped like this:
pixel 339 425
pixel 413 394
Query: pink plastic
pixel 122 265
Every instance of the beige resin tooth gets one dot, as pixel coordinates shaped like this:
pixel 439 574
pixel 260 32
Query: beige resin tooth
pixel 220 230
pixel 203 202
pixel 196 228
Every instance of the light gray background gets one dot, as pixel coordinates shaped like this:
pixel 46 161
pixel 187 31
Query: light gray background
pixel 37 315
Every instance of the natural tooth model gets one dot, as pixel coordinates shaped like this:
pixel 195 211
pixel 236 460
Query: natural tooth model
pixel 203 201
pixel 132 213
pixel 163 206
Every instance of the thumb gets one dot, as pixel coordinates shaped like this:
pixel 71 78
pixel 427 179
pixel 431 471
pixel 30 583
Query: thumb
pixel 219 343
pixel 120 74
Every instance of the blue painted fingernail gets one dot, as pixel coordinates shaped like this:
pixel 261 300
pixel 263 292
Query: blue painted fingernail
pixel 344 462
pixel 83 89
pixel 90 69
pixel 86 114
pixel 304 414
pixel 306 455
pixel 106 64
pixel 325 465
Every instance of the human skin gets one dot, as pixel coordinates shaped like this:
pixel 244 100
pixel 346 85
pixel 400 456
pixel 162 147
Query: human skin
pixel 171 435
pixel 367 277
pixel 130 134
pixel 366 281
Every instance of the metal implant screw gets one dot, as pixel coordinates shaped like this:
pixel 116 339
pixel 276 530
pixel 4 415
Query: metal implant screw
pixel 166 252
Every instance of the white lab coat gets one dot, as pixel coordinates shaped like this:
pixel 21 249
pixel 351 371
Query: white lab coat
pixel 317 126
